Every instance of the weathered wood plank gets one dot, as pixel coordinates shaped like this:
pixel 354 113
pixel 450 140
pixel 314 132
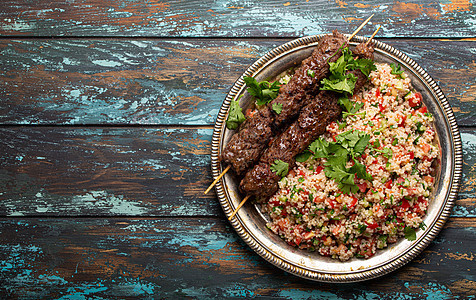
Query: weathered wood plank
pixel 213 18
pixel 170 82
pixel 61 171
pixel 102 258
pixel 105 171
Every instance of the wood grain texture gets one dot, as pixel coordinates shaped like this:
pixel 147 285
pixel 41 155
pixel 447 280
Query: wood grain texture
pixel 105 171
pixel 77 171
pixel 171 82
pixel 212 18
pixel 164 258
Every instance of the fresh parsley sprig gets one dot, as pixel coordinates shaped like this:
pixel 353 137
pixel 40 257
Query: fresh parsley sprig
pixel 396 70
pixel 263 91
pixel 280 167
pixel 348 146
pixel 342 82
pixel 235 116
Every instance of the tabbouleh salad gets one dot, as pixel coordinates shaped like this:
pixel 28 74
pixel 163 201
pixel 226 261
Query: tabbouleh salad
pixel 366 182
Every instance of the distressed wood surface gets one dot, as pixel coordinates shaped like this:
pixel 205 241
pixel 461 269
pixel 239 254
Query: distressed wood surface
pixel 212 18
pixel 106 115
pixel 57 171
pixel 173 82
pixel 166 258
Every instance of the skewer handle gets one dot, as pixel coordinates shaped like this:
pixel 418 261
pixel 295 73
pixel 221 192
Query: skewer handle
pixel 373 35
pixel 239 206
pixel 218 178
pixel 360 27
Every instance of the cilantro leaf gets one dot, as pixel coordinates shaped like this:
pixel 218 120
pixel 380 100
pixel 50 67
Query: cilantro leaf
pixel 346 146
pixel 339 85
pixel 319 148
pixel 277 107
pixel 365 65
pixel 302 157
pixel 340 80
pixel 361 144
pixel 360 171
pixel 387 152
pixel 346 103
pixel 410 233
pixel 280 167
pixel 235 116
pixel 263 91
pixel 396 69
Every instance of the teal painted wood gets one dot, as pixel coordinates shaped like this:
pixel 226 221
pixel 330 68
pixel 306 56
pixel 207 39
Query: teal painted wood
pixel 130 171
pixel 175 257
pixel 56 171
pixel 214 18
pixel 173 82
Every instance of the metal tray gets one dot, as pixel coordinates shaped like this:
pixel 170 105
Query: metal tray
pixel 249 222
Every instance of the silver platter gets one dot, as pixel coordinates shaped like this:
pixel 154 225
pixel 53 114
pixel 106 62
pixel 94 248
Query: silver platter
pixel 249 223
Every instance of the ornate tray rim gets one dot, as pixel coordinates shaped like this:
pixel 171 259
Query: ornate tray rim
pixel 370 272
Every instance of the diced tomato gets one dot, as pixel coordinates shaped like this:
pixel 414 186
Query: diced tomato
pixel 332 203
pixel 425 148
pixel 422 110
pixel 388 184
pixel 334 139
pixel 284 213
pixel 402 122
pixel 309 235
pixel 333 126
pixel 362 187
pixel 335 231
pixel 377 93
pixel 318 169
pixel 364 156
pixel 429 179
pixel 381 107
pixel 405 205
pixel 282 223
pixel 275 203
pixel 415 101
pixel 298 240
pixel 412 155
pixel 371 225
pixel 353 203
pixel 301 173
pixel 250 112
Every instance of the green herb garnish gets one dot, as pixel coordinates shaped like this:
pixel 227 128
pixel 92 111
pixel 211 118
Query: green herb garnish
pixel 410 233
pixel 277 107
pixel 235 116
pixel 340 80
pixel 280 167
pixel 396 70
pixel 263 91
pixel 347 146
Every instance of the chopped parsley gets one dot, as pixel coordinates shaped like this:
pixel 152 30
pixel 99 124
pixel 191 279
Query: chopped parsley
pixel 340 80
pixel 302 157
pixel 396 70
pixel 263 91
pixel 410 233
pixel 280 167
pixel 277 107
pixel 348 146
pixel 235 116
pixel 311 73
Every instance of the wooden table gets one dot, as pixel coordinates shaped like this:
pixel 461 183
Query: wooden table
pixel 107 110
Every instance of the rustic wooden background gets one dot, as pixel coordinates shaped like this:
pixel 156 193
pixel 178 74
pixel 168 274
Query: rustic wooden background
pixel 107 110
